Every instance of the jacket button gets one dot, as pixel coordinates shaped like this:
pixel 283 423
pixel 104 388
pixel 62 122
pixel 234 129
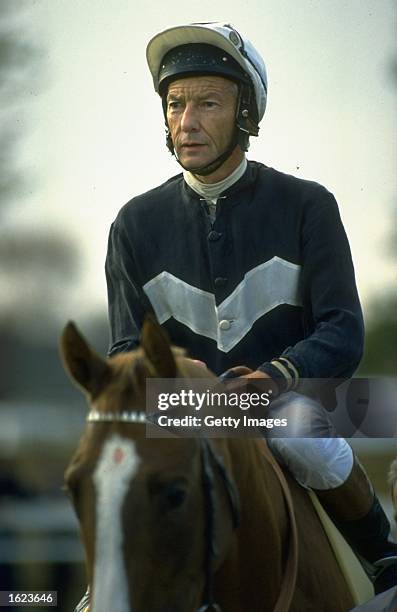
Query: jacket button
pixel 220 281
pixel 224 325
pixel 213 236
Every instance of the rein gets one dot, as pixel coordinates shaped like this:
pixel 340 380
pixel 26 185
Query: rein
pixel 291 571
pixel 210 460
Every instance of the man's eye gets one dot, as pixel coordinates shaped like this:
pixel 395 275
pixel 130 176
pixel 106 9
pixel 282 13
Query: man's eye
pixel 174 105
pixel 210 103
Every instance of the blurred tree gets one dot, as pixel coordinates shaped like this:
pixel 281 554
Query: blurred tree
pixel 35 271
pixel 380 355
pixel 19 62
pixel 35 268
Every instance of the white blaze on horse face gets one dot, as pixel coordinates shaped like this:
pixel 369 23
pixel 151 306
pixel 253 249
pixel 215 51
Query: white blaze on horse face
pixel 117 465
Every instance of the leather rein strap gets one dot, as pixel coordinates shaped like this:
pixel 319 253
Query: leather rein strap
pixel 210 459
pixel 291 570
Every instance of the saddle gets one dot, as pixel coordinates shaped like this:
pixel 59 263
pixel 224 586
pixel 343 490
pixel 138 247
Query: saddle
pixel 359 584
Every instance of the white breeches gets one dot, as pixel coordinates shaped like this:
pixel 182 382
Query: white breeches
pixel 316 462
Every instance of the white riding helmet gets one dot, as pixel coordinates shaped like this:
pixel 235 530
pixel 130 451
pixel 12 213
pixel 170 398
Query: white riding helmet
pixel 220 35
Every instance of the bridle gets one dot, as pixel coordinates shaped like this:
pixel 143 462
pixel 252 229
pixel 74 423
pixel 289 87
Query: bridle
pixel 212 465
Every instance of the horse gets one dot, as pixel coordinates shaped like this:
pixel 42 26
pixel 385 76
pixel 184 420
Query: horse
pixel 185 524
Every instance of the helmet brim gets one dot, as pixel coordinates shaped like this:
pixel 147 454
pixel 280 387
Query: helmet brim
pixel 182 35
pixel 220 35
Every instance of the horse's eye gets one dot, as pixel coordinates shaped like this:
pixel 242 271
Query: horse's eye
pixel 175 496
pixel 167 493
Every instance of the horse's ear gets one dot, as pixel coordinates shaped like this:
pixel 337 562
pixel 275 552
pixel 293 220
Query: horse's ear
pixel 156 346
pixel 88 369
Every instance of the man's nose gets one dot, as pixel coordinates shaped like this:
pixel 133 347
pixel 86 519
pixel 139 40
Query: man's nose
pixel 190 119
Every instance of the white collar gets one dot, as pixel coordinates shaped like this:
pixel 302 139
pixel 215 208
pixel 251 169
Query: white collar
pixel 212 191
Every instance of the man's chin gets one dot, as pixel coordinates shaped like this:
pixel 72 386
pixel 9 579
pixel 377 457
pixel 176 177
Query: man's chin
pixel 193 164
pixel 193 159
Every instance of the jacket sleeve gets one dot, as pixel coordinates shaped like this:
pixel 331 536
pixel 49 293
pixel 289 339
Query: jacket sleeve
pixel 127 303
pixel 334 338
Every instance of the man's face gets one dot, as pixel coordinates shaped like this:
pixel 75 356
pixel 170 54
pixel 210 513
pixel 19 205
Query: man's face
pixel 201 114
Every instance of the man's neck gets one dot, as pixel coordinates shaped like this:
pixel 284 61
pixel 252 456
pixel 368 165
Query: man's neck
pixel 212 191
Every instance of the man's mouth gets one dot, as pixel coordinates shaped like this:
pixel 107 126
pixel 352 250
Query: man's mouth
pixel 192 145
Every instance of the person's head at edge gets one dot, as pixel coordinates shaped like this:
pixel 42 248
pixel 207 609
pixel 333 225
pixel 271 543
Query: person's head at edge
pixel 213 86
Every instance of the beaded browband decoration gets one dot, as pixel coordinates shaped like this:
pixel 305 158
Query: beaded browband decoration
pixel 122 417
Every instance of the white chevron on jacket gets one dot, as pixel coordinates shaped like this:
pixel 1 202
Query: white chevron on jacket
pixel 262 289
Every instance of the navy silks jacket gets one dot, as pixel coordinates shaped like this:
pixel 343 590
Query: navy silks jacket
pixel 272 276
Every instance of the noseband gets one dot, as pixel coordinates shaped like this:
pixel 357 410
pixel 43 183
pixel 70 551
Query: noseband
pixel 212 464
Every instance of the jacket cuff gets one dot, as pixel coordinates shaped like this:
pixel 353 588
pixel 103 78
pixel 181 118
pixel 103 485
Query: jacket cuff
pixel 283 372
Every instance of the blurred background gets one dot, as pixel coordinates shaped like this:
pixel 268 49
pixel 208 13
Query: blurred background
pixel 81 132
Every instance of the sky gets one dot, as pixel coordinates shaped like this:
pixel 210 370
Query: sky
pixel 94 133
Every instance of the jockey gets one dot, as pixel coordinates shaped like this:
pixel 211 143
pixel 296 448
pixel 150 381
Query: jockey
pixel 247 268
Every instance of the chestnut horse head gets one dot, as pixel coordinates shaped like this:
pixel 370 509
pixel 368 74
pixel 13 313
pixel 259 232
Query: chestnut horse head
pixel 155 514
pixel 159 517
